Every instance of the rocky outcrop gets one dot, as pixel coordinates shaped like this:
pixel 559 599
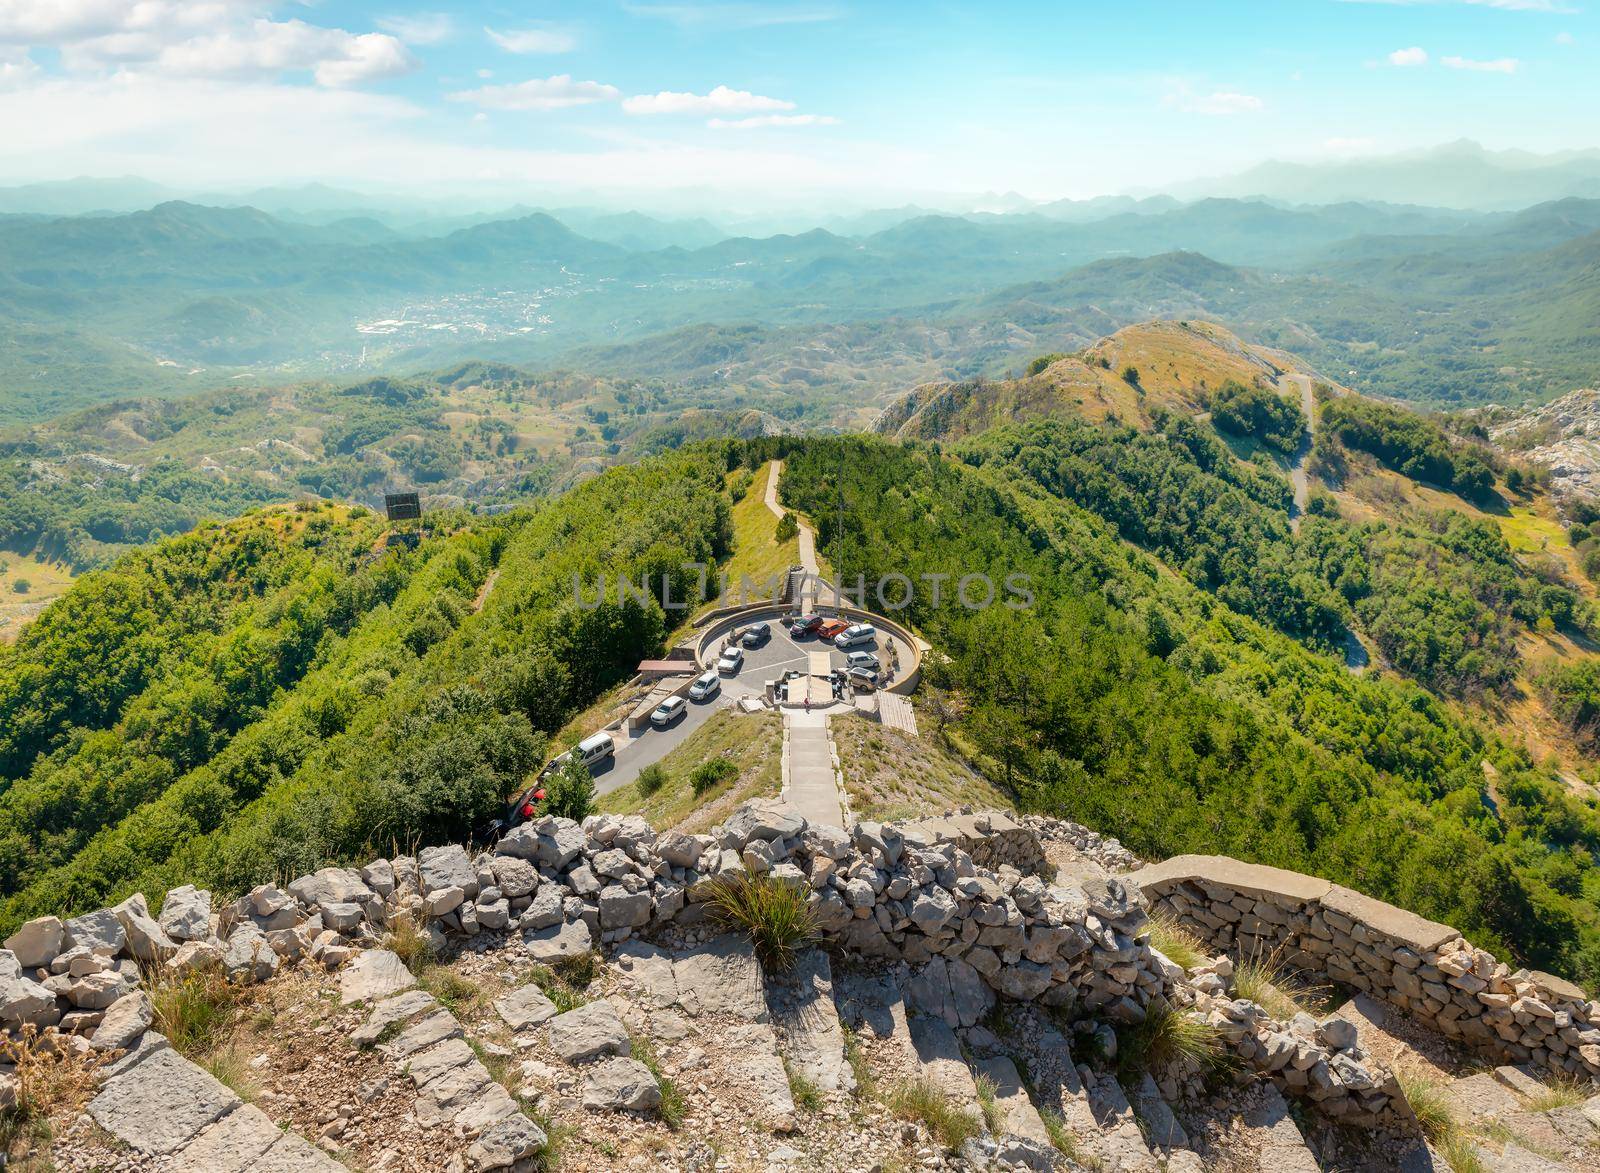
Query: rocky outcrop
pixel 1429 970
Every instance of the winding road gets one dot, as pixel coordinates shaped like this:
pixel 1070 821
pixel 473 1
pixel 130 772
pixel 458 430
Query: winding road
pixel 1298 478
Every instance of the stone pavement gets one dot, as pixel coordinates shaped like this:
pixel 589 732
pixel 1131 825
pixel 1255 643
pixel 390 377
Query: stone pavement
pixel 813 788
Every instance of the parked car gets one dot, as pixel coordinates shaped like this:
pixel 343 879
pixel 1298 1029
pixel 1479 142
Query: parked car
pixel 732 660
pixel 755 635
pixel 861 660
pixel 669 711
pixel 863 679
pixel 705 686
pixel 829 629
pixel 590 750
pixel 804 626
pixel 856 633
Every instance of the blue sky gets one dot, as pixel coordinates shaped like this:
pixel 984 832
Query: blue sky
pixel 772 102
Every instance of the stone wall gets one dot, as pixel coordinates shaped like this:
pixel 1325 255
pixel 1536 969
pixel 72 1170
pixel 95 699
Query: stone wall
pixel 1427 969
pixel 992 838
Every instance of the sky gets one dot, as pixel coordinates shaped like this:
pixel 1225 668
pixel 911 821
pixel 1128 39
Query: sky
pixel 655 101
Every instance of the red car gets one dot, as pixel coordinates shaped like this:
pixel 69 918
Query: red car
pixel 804 625
pixel 832 627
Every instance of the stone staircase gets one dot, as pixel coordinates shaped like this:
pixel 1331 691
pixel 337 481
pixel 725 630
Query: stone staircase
pixel 426 1044
pixel 179 1119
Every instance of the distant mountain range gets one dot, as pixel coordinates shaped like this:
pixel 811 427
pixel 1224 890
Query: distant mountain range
pixel 1433 304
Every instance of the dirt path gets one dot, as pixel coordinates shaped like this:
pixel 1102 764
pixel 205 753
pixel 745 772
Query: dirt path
pixel 483 591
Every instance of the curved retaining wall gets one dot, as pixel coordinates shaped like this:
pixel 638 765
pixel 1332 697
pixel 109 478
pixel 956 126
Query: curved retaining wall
pixel 1426 969
pixel 737 617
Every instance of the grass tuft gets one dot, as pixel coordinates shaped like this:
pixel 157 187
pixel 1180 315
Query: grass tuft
pixel 455 993
pixel 672 1109
pixel 1439 1123
pixel 866 1084
pixel 1168 1035
pixel 993 1118
pixel 411 945
pixel 802 1091
pixel 1276 988
pixel 1179 945
pixel 49 1081
pixel 923 1101
pixel 229 1066
pixel 1559 1093
pixel 774 916
pixel 195 1011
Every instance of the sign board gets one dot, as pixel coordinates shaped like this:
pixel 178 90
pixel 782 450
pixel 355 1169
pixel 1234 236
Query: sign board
pixel 402 506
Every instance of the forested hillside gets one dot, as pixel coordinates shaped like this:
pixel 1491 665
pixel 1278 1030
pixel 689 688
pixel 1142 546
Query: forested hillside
pixel 1136 702
pixel 257 698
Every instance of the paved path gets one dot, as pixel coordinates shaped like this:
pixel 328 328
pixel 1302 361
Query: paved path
pixel 813 787
pixel 807 541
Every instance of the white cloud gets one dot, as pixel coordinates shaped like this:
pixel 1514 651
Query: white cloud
pixel 719 101
pixel 734 16
pixel 1416 55
pixel 761 120
pixel 420 28
pixel 533 40
pixel 17 72
pixel 1498 65
pixel 539 93
pixel 58 22
pixel 1219 102
pixel 266 47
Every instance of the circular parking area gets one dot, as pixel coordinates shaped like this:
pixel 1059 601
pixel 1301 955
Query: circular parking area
pixel 783 653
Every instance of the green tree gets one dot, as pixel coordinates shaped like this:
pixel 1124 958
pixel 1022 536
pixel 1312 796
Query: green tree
pixel 569 794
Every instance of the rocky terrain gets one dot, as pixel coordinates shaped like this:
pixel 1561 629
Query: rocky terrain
pixel 976 993
pixel 1562 435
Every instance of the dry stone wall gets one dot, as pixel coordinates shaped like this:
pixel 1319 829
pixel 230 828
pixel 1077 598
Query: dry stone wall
pixel 1429 970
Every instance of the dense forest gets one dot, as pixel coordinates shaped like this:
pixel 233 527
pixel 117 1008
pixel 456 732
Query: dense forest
pixel 258 698
pixel 1143 706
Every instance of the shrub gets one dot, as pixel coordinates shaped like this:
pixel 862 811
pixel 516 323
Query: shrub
pixel 921 1100
pixel 711 773
pixel 22 586
pixel 1130 375
pixel 787 528
pixel 774 915
pixel 50 1080
pixel 651 779
pixel 570 792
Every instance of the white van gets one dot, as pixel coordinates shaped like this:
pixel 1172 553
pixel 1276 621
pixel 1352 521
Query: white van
pixel 593 749
pixel 856 633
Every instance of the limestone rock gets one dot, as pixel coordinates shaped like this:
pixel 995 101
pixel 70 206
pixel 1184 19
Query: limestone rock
pixel 524 1007
pixel 590 1030
pixel 147 940
pixel 37 943
pixel 159 1105
pixel 621 1085
pixel 447 867
pixel 377 973
pixel 99 932
pixel 127 1019
pixel 186 914
pixel 558 942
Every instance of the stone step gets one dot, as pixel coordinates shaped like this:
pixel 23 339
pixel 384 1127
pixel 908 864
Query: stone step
pixel 453 1087
pixel 185 1121
pixel 721 984
pixel 1268 1131
pixel 874 1005
pixel 1018 1116
pixel 941 1060
pixel 1121 1142
pixel 807 1022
